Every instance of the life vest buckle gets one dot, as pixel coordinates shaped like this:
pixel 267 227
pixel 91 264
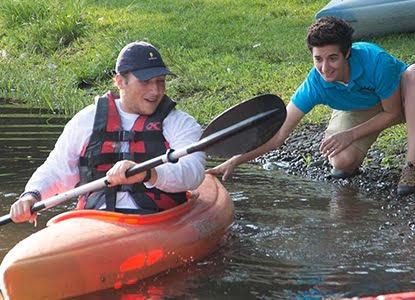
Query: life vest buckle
pixel 125 136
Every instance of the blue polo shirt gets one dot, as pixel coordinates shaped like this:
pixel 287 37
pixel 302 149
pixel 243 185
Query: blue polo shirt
pixel 374 76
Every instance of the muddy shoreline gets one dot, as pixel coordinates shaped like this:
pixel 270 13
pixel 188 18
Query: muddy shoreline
pixel 300 156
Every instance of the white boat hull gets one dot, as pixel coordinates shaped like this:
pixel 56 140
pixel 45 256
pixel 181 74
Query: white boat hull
pixel 373 17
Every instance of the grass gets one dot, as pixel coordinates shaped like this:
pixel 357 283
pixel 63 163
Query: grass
pixel 60 54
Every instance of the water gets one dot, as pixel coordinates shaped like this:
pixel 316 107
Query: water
pixel 291 239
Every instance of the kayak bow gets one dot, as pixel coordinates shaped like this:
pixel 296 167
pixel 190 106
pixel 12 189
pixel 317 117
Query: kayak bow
pixel 84 251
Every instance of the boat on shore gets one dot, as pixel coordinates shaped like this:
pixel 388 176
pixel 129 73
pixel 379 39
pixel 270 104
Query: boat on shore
pixel 85 251
pixel 373 17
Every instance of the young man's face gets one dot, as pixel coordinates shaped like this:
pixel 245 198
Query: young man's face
pixel 331 63
pixel 141 97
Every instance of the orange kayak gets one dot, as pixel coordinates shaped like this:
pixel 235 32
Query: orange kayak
pixel 84 251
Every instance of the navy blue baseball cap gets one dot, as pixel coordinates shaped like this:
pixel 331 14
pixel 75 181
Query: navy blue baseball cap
pixel 141 59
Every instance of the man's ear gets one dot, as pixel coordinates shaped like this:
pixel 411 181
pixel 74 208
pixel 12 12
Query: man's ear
pixel 348 53
pixel 120 81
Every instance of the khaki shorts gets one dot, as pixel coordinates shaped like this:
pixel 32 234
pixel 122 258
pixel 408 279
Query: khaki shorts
pixel 343 120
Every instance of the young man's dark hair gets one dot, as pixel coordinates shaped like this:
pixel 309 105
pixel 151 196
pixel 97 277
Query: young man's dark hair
pixel 330 31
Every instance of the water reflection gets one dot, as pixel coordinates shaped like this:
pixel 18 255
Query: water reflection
pixel 292 238
pixel 304 239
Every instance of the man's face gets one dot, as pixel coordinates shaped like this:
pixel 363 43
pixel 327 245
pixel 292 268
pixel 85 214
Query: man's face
pixel 331 63
pixel 141 97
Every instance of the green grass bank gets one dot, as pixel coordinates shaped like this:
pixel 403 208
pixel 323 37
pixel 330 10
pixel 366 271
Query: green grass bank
pixel 60 54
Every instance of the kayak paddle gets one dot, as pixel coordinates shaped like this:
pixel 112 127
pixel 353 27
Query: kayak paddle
pixel 248 137
pixel 239 129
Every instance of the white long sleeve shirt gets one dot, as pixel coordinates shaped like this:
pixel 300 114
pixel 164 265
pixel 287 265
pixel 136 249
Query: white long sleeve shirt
pixel 60 171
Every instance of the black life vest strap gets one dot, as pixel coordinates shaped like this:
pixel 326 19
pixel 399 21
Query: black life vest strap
pixel 128 136
pixel 101 117
pixel 132 188
pixel 109 158
pixel 110 198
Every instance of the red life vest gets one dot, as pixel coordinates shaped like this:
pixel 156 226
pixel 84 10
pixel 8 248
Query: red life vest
pixel 146 141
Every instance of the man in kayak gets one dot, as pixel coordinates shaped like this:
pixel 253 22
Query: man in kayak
pixel 364 85
pixel 112 135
